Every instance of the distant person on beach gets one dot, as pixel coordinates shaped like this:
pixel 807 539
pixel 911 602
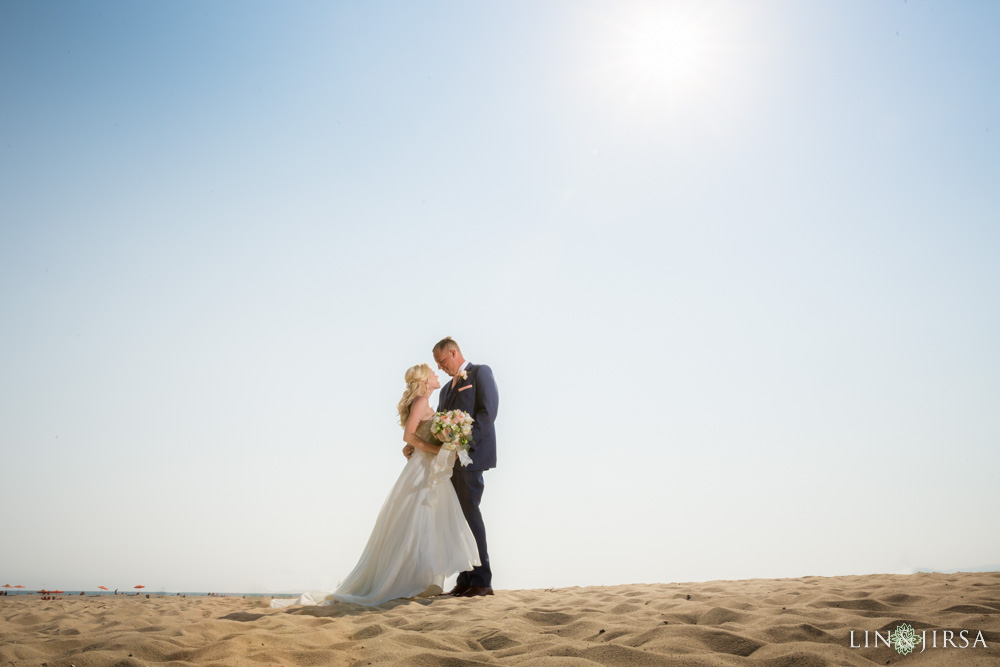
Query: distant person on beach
pixel 421 535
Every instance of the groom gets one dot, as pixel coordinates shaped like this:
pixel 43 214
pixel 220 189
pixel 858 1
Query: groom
pixel 473 390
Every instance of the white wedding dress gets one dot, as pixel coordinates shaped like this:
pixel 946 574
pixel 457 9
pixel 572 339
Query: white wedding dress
pixel 420 538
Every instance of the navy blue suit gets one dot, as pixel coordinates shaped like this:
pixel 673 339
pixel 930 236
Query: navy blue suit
pixel 478 396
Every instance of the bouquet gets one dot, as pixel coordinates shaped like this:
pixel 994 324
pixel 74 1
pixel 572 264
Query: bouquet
pixel 454 430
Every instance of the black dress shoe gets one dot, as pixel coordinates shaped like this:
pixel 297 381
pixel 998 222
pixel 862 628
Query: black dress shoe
pixel 457 591
pixel 476 591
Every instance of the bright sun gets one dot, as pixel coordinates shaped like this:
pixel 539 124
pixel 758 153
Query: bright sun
pixel 668 52
pixel 681 54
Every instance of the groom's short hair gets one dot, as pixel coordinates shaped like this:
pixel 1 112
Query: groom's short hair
pixel 446 344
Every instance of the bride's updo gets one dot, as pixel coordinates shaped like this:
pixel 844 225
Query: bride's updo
pixel 416 378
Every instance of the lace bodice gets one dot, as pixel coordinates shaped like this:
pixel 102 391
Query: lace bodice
pixel 424 431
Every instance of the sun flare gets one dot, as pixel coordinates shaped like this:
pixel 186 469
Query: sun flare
pixel 683 55
pixel 667 52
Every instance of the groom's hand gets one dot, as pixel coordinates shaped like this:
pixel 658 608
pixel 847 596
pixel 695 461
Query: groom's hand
pixel 408 450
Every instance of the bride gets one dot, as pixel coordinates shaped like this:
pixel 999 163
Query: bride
pixel 420 536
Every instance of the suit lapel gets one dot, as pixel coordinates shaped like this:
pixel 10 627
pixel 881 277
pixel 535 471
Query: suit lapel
pixel 447 391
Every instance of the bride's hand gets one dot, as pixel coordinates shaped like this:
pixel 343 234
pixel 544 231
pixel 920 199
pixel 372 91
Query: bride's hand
pixel 408 450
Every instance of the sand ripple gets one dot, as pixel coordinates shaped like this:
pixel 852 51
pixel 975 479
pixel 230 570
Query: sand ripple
pixel 774 622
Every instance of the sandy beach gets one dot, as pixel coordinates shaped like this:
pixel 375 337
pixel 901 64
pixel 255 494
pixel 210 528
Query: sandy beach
pixel 806 621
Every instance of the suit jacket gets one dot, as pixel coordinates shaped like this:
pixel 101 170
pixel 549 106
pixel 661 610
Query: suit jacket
pixel 478 396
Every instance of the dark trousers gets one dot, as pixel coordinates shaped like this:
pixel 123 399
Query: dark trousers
pixel 469 487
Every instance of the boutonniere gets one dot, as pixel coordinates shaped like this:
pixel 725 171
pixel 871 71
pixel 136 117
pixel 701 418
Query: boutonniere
pixel 463 374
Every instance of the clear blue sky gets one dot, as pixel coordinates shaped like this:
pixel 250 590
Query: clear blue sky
pixel 734 265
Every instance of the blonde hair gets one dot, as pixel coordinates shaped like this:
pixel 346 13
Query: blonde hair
pixel 416 385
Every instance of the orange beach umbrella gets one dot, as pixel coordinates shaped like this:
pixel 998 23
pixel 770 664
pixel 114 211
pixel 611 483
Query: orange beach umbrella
pixel 140 586
pixel 103 588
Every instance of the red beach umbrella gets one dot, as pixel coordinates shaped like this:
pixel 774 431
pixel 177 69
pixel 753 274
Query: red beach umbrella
pixel 7 586
pixel 55 592
pixel 140 586
pixel 103 588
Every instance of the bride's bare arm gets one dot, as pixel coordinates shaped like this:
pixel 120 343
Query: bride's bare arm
pixel 419 411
